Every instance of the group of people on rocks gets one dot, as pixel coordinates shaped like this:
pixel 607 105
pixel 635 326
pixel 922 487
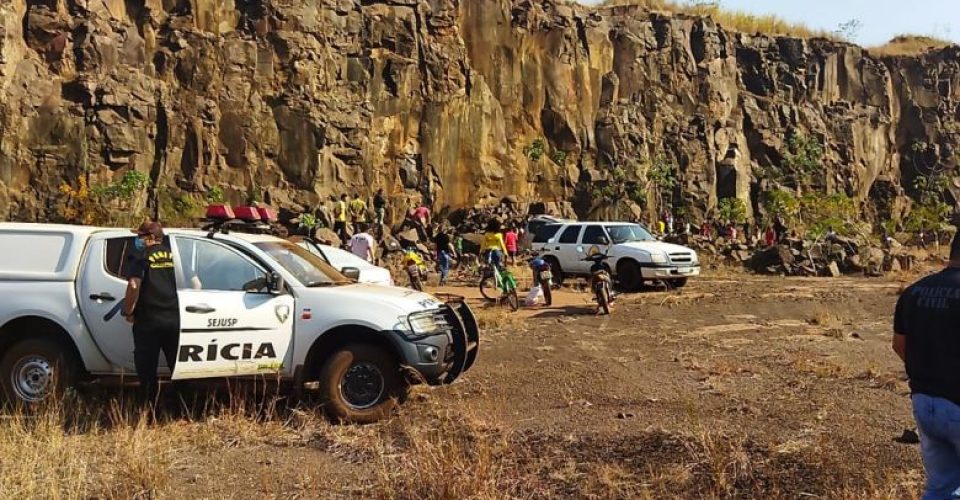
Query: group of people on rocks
pixel 711 228
pixel 358 225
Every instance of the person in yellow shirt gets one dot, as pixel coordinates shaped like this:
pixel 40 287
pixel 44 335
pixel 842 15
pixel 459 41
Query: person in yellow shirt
pixel 340 218
pixel 358 211
pixel 493 243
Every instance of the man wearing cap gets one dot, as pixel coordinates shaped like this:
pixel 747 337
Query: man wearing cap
pixel 151 305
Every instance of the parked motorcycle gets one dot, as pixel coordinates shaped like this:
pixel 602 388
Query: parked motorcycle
pixel 416 268
pixel 543 276
pixel 600 280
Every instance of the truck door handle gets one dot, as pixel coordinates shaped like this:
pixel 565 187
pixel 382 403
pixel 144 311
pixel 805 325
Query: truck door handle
pixel 200 309
pixel 104 296
pixel 556 248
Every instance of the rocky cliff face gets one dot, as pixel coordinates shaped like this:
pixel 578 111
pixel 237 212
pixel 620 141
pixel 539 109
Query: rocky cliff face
pixel 446 99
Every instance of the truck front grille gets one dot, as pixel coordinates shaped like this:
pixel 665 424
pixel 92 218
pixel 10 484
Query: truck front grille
pixel 681 258
pixel 442 320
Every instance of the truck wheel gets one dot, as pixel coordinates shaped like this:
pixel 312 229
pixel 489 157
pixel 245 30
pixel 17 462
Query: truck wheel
pixel 629 276
pixel 33 370
pixel 680 283
pixel 360 383
pixel 556 271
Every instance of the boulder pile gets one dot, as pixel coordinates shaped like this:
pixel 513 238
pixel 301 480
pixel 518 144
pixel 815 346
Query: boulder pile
pixel 796 257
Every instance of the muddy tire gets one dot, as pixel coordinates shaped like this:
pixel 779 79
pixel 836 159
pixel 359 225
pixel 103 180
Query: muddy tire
pixel 513 300
pixel 629 276
pixel 603 299
pixel 361 383
pixel 680 283
pixel 489 290
pixel 35 370
pixel 416 284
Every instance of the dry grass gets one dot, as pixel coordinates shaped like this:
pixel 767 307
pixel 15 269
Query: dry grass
pixel 829 324
pixel 75 450
pixel 736 20
pixel 436 453
pixel 454 458
pixel 499 319
pixel 909 45
pixel 44 456
pixel 457 456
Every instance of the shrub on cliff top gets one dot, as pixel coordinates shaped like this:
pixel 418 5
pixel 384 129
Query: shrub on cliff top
pixel 731 19
pixel 909 45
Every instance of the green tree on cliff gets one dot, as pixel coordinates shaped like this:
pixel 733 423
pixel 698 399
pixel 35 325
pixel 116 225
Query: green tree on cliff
pixel 802 161
pixel 661 180
pixel 732 210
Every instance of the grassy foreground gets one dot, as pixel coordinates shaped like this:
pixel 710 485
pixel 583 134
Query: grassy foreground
pixel 73 451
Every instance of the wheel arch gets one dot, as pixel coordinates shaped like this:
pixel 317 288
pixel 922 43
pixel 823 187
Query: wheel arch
pixel 330 341
pixel 32 327
pixel 554 262
pixel 625 260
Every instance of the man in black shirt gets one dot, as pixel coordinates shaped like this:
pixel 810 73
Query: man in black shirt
pixel 379 207
pixel 442 241
pixel 151 304
pixel 926 336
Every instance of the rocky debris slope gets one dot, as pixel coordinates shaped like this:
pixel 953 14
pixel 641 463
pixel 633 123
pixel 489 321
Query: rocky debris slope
pixel 455 101
pixel 797 257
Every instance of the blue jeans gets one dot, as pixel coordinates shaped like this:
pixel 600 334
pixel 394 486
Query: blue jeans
pixel 496 258
pixel 939 422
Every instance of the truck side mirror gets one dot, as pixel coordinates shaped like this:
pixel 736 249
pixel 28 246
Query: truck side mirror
pixel 351 272
pixel 275 283
pixel 603 240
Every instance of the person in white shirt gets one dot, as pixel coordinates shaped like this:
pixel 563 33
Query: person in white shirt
pixel 362 244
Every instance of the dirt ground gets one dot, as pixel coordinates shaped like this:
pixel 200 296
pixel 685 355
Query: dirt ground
pixel 736 386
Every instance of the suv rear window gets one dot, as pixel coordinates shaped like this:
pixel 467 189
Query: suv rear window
pixel 592 235
pixel 570 234
pixel 545 232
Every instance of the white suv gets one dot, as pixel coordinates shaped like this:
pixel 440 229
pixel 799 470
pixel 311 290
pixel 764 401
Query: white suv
pixel 635 255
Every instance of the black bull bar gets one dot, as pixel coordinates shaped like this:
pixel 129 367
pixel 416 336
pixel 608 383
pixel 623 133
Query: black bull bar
pixel 465 334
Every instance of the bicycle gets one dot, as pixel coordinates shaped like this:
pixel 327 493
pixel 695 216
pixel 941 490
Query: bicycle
pixel 498 285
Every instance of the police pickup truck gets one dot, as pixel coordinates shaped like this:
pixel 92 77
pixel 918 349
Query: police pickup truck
pixel 250 305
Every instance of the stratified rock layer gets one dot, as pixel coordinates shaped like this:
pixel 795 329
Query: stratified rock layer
pixel 301 99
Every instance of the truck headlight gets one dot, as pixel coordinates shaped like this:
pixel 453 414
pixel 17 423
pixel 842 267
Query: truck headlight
pixel 422 324
pixel 658 258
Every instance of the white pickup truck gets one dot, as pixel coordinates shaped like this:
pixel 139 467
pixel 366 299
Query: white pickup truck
pixel 250 305
pixel 635 255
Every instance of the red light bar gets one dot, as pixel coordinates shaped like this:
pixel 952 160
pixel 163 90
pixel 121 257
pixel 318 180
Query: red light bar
pixel 267 214
pixel 248 214
pixel 220 212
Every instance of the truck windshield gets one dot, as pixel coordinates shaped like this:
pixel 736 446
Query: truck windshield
pixel 626 233
pixel 309 269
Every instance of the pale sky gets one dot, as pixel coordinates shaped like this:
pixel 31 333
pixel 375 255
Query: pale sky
pixel 881 19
